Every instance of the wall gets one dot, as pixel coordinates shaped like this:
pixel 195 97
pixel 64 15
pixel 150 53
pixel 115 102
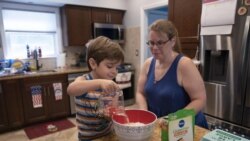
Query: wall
pixel 114 4
pixel 133 22
pixel 133 15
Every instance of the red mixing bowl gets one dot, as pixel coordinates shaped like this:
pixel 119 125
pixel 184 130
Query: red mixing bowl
pixel 140 132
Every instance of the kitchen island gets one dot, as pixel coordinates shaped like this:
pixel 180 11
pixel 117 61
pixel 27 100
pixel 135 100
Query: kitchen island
pixel 156 136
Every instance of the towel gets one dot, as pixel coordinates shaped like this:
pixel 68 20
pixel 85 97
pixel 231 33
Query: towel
pixel 57 91
pixel 36 92
pixel 123 79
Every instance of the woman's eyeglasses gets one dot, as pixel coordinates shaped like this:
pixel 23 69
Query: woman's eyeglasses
pixel 159 44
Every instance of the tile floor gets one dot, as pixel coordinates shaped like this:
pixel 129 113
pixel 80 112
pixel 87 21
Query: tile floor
pixel 65 135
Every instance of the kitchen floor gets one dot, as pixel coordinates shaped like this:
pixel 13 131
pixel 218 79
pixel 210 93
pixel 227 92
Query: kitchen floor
pixel 65 135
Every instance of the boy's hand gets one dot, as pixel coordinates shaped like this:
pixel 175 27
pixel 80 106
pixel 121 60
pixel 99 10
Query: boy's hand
pixel 109 86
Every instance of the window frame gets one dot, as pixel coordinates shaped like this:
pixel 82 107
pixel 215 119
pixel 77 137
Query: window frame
pixel 35 8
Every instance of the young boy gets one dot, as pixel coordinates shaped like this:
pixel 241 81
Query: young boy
pixel 103 56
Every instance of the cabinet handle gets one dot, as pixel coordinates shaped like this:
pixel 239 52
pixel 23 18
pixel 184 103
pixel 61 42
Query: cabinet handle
pixel 109 17
pixel 44 89
pixel 119 32
pixel 198 30
pixel 48 91
pixel 1 89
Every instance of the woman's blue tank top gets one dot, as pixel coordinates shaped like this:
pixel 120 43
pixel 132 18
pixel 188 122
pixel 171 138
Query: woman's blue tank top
pixel 166 95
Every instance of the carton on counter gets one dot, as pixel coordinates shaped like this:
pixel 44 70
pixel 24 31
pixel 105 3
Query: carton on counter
pixel 179 126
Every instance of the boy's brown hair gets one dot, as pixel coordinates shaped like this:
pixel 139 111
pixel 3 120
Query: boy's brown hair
pixel 103 48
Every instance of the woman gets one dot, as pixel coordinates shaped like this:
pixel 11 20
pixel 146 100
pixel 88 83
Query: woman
pixel 169 81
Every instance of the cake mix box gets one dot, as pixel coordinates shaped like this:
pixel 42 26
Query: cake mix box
pixel 180 126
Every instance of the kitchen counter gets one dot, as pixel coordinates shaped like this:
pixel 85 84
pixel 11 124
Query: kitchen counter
pixel 68 70
pixel 156 136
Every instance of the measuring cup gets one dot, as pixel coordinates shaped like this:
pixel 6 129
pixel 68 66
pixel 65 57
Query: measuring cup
pixel 110 104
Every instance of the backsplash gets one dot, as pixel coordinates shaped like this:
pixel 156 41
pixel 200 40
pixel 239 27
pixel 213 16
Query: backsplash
pixel 132 49
pixel 72 58
pixel 73 55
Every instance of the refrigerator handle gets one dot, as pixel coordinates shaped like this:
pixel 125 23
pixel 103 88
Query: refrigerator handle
pixel 246 45
pixel 198 30
pixel 247 102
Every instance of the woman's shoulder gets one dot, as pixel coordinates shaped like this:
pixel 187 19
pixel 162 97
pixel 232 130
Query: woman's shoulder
pixel 186 63
pixel 146 65
pixel 147 62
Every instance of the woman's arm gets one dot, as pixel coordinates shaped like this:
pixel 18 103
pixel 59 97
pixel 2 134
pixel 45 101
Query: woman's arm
pixel 140 97
pixel 189 77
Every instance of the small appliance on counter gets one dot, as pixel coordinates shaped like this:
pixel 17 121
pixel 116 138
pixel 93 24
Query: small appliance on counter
pixel 220 135
pixel 125 67
pixel 125 79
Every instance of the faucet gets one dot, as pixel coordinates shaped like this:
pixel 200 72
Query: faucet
pixel 37 60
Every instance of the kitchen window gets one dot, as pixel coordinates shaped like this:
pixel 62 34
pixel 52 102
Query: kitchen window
pixel 36 26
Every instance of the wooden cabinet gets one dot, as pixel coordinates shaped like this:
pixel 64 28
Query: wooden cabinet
pixel 3 113
pixel 101 15
pixel 11 105
pixel 77 22
pixel 50 108
pixel 76 25
pixel 185 14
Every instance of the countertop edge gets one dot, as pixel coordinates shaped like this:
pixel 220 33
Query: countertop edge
pixel 45 73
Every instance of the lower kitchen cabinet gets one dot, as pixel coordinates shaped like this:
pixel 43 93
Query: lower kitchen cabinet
pixel 3 113
pixel 44 101
pixel 11 109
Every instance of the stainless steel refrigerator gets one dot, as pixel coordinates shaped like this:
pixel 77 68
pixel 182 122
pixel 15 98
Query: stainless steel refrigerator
pixel 225 67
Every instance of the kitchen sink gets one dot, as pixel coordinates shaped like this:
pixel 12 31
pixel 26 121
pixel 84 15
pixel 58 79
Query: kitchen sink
pixel 40 71
pixel 45 71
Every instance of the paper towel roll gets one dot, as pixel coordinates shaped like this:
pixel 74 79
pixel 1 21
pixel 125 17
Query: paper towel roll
pixel 61 60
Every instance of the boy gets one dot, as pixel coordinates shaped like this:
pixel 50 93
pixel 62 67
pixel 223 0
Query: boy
pixel 103 57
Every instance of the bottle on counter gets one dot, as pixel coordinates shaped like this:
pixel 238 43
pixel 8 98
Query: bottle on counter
pixel 28 51
pixel 39 52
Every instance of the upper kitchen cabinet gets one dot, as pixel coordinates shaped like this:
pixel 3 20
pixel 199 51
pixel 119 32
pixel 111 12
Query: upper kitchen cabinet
pixel 185 14
pixel 101 15
pixel 76 23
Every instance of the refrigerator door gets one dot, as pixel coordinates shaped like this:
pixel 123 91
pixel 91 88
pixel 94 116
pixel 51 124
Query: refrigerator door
pixel 223 61
pixel 220 73
pixel 246 114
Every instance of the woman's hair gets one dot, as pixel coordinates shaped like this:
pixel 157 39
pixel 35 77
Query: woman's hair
pixel 167 27
pixel 102 48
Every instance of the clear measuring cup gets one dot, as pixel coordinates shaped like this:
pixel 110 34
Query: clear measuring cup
pixel 110 104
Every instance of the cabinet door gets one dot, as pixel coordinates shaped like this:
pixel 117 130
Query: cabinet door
pixel 186 14
pixel 13 101
pixel 77 27
pixel 34 111
pixel 116 16
pixel 50 107
pixel 58 107
pixel 101 15
pixel 3 113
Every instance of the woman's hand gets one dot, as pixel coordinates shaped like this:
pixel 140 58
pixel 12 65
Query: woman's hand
pixel 163 123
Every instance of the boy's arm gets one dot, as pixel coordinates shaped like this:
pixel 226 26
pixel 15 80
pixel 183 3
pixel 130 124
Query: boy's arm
pixel 81 86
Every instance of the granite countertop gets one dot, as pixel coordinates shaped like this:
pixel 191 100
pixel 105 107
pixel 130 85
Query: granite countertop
pixel 67 70
pixel 156 136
